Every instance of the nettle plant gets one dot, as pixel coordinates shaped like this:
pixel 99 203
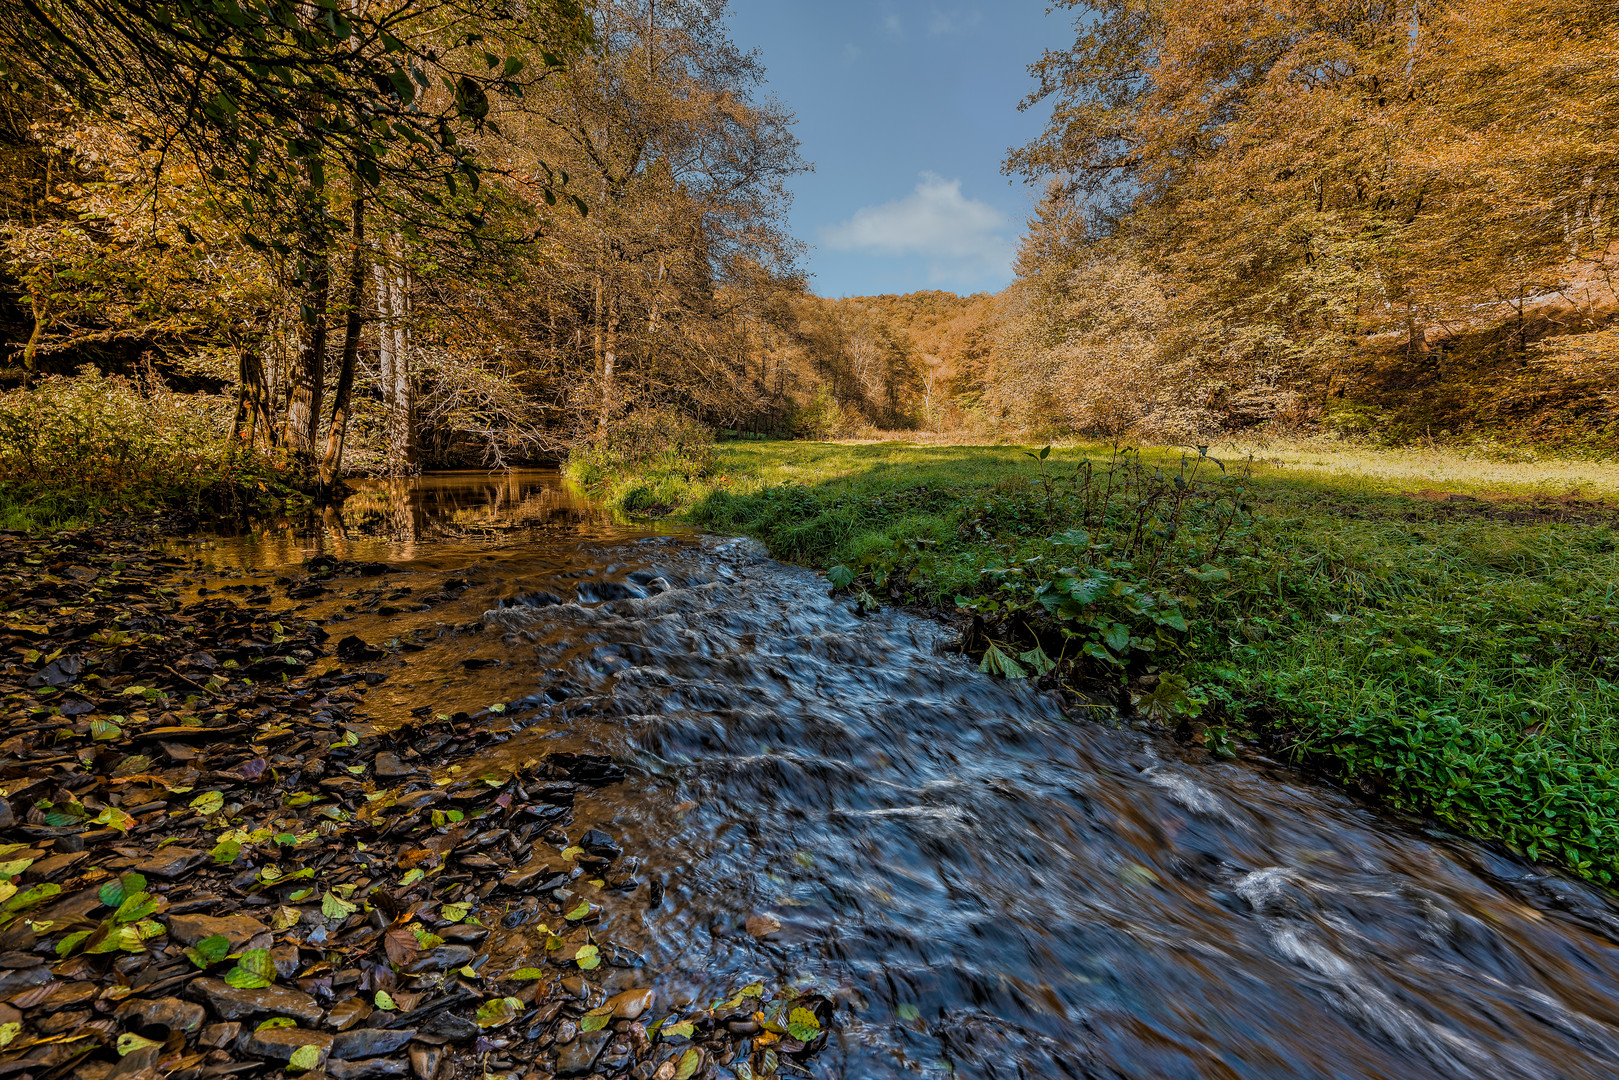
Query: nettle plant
pixel 1115 594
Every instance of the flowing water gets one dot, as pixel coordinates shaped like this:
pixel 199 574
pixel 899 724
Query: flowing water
pixel 988 889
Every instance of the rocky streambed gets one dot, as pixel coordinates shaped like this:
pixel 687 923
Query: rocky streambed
pixel 213 864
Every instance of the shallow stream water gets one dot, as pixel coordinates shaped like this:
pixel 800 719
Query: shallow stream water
pixel 987 888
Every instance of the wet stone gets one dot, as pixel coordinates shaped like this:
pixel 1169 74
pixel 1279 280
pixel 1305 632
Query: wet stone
pixel 579 1056
pixel 217 1036
pixel 169 1013
pixel 347 1013
pixel 443 958
pixel 631 1003
pixel 616 1057
pixel 452 1028
pixel 279 1044
pixel 370 1069
pixel 370 1042
pixel 238 929
pixel 172 862
pixel 389 767
pixel 230 1003
pixel 54 867
pixel 425 1061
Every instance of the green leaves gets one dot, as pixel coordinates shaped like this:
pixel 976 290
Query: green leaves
pixel 499 1012
pixel 304 1059
pixel 596 1019
pixel 689 1061
pixel 997 662
pixel 588 957
pixel 254 970
pixel 384 1001
pixel 129 1042
pixel 209 951
pixel 578 912
pixel 803 1025
pixel 454 913
pixel 840 577
pixel 208 803
pixel 335 907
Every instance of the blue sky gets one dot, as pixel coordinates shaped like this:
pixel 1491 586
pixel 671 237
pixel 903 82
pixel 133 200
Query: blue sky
pixel 906 108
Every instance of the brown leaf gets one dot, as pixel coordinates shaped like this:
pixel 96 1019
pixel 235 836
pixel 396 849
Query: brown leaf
pixel 400 944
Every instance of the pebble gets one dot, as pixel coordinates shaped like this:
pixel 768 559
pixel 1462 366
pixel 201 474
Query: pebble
pixel 169 1013
pixel 348 1012
pixel 579 1056
pixel 443 958
pixel 369 1069
pixel 280 1043
pixel 425 1061
pixel 229 1003
pixel 452 1028
pixel 388 766
pixel 631 1003
pixel 370 1042
pixel 172 862
pixel 218 1036
pixel 237 929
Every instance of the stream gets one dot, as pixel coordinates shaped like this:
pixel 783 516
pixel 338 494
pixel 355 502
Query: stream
pixel 986 888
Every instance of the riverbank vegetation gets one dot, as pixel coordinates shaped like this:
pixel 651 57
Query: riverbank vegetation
pixel 1435 630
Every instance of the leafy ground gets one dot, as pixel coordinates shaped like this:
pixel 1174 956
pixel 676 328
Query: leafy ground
pixel 1439 631
pixel 212 865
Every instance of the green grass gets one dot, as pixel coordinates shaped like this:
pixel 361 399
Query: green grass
pixel 1451 663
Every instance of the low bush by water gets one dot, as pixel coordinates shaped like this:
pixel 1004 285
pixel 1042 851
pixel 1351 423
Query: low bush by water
pixel 1453 653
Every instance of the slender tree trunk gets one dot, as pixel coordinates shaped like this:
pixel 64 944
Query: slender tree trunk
pixel 393 357
pixel 332 462
pixel 303 412
pixel 30 363
pixel 609 363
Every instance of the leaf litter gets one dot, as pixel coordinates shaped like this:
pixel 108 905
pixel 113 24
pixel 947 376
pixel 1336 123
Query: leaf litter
pixel 211 866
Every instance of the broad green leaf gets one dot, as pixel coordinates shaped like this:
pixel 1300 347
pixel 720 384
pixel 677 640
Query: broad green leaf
pixel 1037 659
pixel 304 1059
pixel 9 1033
pixel 225 852
pixel 210 950
pixel 385 1001
pixel 277 1022
pixel 572 853
pixel 208 803
pixel 71 942
pixel 526 975
pixel 455 912
pixel 685 1029
pixel 840 577
pixel 996 662
pixel 588 958
pixel 14 867
pixel 802 1025
pixel 335 907
pixel 596 1019
pixel 579 912
pixel 688 1064
pixel 254 970
pixel 412 877
pixel 499 1012
pixel 129 1042
pixel 285 918
pixel 136 906
pixel 104 730
pixel 31 899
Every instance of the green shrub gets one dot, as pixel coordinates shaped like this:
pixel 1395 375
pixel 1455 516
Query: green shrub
pixel 644 461
pixel 73 447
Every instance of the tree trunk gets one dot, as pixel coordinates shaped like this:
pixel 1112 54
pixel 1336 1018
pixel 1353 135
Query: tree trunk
pixel 332 462
pixel 309 371
pixel 393 358
pixel 609 363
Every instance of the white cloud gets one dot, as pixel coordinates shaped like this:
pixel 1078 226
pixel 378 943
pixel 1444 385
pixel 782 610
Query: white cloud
pixel 962 238
pixel 956 21
pixel 892 25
